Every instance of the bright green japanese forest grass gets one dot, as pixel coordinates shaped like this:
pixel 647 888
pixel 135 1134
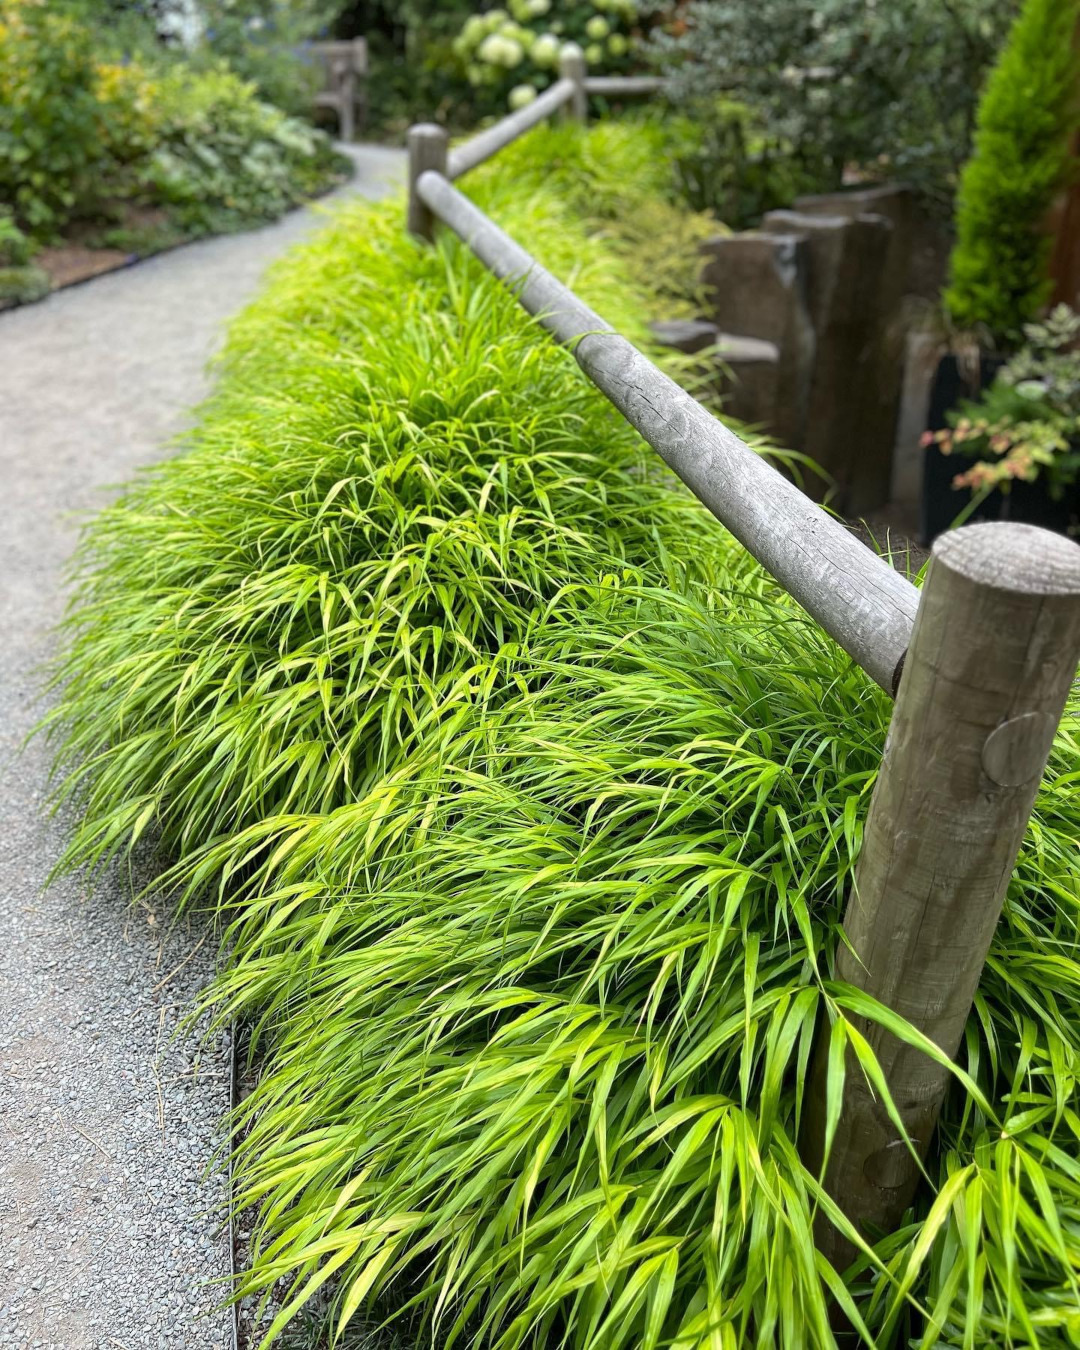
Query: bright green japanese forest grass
pixel 396 474
pixel 530 807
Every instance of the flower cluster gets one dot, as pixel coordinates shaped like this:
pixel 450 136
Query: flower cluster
pixel 1027 423
pixel 522 43
pixel 1007 450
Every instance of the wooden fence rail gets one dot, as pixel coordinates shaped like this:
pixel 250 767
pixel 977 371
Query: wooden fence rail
pixel 487 143
pixel 988 651
pixel 867 606
pixel 623 85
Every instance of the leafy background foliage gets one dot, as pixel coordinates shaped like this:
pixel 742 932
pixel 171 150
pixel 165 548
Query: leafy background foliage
pixel 792 93
pixel 1027 424
pixel 263 42
pixel 50 124
pixel 529 805
pixel 1023 157
pixel 521 48
pixel 223 159
pixel 88 127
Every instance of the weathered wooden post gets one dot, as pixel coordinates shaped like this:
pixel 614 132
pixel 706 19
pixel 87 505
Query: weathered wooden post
pixel 428 146
pixel 572 66
pixel 992 656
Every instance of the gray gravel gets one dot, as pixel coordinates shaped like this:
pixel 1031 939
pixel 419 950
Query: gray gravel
pixel 109 1229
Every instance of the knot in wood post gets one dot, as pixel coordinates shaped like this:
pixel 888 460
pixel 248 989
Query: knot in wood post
pixel 992 657
pixel 429 147
pixel 572 66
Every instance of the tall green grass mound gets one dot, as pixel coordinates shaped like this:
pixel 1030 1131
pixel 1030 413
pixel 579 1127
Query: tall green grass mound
pixel 530 806
pixel 394 477
pixel 537 1014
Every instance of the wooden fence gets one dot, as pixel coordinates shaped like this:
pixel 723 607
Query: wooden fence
pixel 980 663
pixel 345 68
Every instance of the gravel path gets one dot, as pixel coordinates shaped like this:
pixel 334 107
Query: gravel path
pixel 109 1232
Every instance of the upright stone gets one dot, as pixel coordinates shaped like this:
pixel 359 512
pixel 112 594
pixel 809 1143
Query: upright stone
pixel 749 377
pixel 755 285
pixel 894 201
pixel 854 385
pixel 685 335
pixel 922 353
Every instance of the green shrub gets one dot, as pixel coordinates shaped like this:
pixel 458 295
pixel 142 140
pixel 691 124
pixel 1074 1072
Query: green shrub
pixel 20 282
pixel 15 248
pixel 414 74
pixel 1022 159
pixel 50 126
pixel 262 42
pixel 22 285
pixel 828 85
pixel 222 158
pixel 726 162
pixel 81 135
pixel 533 805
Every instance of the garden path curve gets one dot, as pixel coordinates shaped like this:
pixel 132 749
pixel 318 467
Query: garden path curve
pixel 108 1233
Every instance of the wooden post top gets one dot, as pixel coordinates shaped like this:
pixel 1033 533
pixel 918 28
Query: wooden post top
pixel 1008 556
pixel 427 131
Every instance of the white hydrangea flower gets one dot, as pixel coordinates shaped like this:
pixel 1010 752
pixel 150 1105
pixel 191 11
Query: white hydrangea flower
pixel 594 54
pixel 474 30
pixel 491 49
pixel 538 8
pixel 545 50
pixel 597 28
pixel 521 95
pixel 617 45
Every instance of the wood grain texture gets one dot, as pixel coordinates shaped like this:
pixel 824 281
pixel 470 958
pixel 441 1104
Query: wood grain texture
pixel 852 593
pixel 991 661
pixel 490 141
pixel 428 147
pixel 625 85
pixel 573 67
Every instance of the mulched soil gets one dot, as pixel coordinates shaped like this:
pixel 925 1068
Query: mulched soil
pixel 66 264
pixel 893 531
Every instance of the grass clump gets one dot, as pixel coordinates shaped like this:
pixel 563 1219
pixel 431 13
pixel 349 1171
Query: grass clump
pixel 530 806
pixel 537 1012
pixel 393 479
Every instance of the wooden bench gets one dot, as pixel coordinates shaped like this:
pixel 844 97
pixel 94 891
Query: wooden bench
pixel 346 66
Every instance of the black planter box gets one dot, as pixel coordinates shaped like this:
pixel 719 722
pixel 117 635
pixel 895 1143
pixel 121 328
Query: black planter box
pixel 1030 503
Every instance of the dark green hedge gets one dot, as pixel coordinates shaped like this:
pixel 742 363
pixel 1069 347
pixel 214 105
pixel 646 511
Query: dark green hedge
pixel 1022 159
